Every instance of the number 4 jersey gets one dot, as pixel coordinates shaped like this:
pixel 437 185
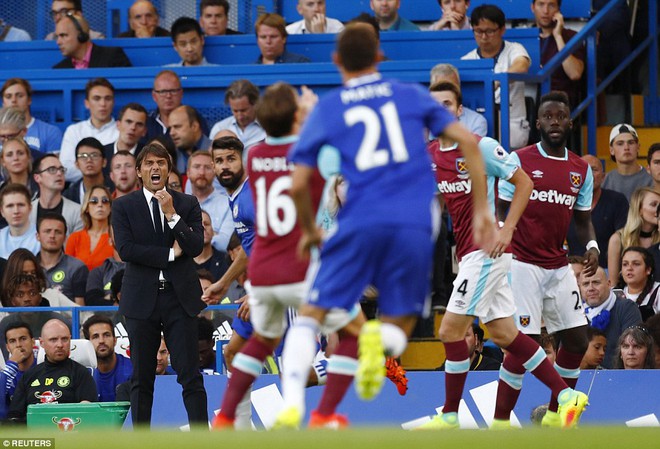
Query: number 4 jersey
pixel 274 260
pixel 378 127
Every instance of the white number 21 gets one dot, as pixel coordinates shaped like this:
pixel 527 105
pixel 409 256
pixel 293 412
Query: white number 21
pixel 369 155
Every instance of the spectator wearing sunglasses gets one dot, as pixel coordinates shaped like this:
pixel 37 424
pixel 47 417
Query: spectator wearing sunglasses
pixel 92 244
pixel 91 162
pixel 60 8
pixel 49 175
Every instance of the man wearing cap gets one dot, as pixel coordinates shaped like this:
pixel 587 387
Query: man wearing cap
pixel 628 175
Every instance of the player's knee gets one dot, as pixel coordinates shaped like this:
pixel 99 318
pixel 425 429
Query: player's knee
pixel 449 335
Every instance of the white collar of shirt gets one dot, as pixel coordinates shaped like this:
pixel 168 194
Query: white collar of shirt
pixel 111 123
pixel 148 195
pixel 370 78
pixel 30 123
pixel 132 150
pixel 544 154
pixel 282 140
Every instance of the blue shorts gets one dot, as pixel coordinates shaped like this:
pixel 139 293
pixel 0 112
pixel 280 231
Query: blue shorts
pixel 242 328
pixel 394 259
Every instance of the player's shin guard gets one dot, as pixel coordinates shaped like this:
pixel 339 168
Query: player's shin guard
pixel 535 361
pixel 297 357
pixel 508 387
pixel 457 366
pixel 341 370
pixel 246 367
pixel 567 365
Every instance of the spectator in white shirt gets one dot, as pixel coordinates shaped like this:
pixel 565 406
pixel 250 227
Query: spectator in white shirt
pixel 242 96
pixel 100 100
pixel 314 19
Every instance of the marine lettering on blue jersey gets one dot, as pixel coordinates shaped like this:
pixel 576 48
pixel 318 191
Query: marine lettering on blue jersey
pixel 242 211
pixel 361 93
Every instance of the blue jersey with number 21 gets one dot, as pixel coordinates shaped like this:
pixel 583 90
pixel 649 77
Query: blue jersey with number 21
pixel 377 126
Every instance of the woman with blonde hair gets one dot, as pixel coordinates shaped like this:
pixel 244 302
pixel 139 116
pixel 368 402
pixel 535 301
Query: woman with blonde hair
pixel 641 229
pixel 92 244
pixel 16 165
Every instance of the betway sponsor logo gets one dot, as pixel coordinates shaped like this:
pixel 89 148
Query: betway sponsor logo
pixel 464 186
pixel 553 197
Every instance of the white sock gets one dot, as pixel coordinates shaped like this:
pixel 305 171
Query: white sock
pixel 297 357
pixel 394 339
pixel 243 419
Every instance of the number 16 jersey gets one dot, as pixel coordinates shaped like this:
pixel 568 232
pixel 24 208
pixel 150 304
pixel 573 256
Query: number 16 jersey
pixel 274 260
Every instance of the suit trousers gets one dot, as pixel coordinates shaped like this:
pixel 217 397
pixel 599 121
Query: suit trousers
pixel 181 338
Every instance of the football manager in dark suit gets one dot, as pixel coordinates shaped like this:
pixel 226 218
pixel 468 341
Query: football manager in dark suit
pixel 160 290
pixel 72 35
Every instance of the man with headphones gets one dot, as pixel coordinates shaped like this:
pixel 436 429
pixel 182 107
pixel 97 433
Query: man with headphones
pixel 72 34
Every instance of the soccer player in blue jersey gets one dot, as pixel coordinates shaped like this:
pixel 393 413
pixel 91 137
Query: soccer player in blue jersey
pixel 227 153
pixel 481 287
pixel 384 232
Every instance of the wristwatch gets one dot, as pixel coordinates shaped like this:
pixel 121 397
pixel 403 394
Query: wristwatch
pixel 173 218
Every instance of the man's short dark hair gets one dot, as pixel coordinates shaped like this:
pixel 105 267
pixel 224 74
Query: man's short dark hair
pixel 115 285
pixel 51 216
pixel 39 162
pixel 193 115
pixel 133 107
pixel 593 332
pixel 357 47
pixel 77 4
pixel 158 151
pixel 184 25
pixel 534 1
pixel 228 143
pixel 97 319
pixel 652 149
pixel 557 96
pixel 18 325
pixel 122 153
pixel 205 328
pixel 203 273
pixel 15 188
pixel 487 12
pixel 478 332
pixel 443 86
pixel 91 142
pixel 276 110
pixel 234 241
pixel 206 3
pixel 242 88
pixel 98 82
pixel 368 19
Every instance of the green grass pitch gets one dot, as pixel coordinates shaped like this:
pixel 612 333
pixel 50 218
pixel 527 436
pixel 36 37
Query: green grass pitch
pixel 356 438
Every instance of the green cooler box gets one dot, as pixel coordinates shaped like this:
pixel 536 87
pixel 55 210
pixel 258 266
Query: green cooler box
pixel 80 416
